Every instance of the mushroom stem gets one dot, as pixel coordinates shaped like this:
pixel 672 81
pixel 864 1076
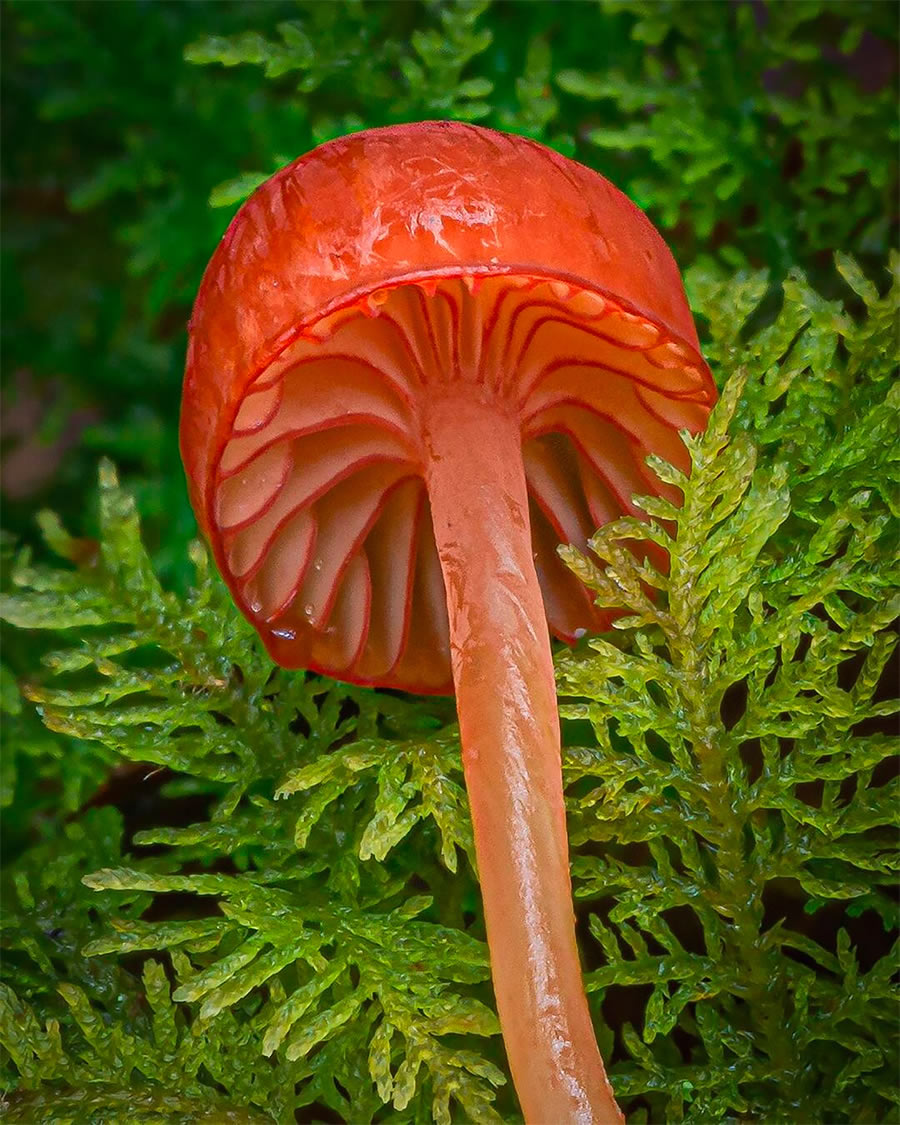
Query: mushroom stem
pixel 506 697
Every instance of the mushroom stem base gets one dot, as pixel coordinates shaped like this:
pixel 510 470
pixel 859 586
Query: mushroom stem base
pixel 506 697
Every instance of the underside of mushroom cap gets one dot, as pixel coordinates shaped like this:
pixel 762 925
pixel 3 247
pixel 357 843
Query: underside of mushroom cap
pixel 320 516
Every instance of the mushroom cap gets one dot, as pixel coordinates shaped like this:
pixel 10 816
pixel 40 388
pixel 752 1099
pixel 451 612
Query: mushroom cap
pixel 369 274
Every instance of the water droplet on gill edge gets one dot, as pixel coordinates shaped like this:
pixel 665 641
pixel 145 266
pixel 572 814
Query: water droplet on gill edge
pixel 317 565
pixel 285 634
pixel 308 609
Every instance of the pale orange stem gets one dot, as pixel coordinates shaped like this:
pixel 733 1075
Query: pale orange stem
pixel 503 673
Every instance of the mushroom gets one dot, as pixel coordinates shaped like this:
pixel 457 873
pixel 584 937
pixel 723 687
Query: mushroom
pixel 420 359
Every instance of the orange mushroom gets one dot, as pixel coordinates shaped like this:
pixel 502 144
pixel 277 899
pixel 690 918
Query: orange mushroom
pixel 421 358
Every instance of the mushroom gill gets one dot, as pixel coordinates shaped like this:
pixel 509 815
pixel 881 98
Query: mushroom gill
pixel 321 516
